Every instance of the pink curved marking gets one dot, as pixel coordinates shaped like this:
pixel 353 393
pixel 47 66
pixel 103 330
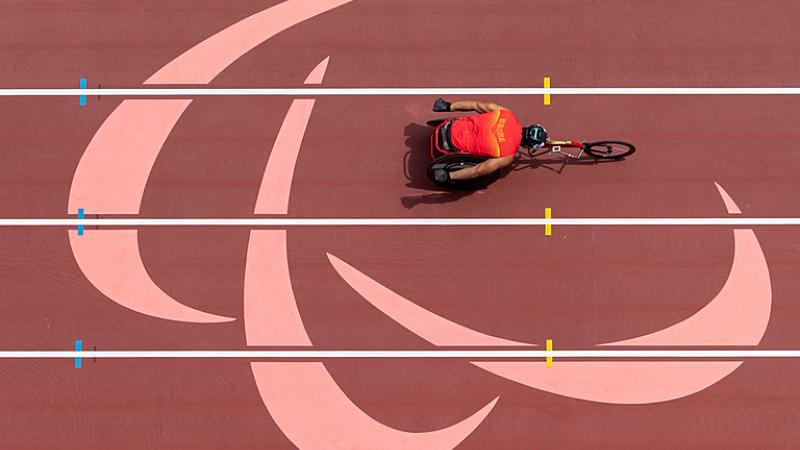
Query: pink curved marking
pixel 270 311
pixel 730 205
pixel 316 76
pixel 620 382
pixel 738 315
pixel 276 185
pixel 296 394
pixel 425 324
pixel 301 393
pixel 314 413
pixel 110 260
pixel 201 63
pixel 113 171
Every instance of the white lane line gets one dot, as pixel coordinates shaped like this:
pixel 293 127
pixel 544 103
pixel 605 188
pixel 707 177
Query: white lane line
pixel 383 354
pixel 192 92
pixel 402 222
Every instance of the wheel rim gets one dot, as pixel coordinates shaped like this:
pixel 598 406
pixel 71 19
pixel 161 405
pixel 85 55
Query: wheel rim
pixel 459 161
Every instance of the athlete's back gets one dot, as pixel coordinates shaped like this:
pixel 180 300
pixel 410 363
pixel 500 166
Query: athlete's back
pixel 492 134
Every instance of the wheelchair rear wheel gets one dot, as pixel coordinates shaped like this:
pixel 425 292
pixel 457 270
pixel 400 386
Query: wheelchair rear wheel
pixel 458 161
pixel 435 122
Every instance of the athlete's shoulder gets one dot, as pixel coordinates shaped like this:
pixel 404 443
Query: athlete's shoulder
pixel 507 112
pixel 509 116
pixel 491 113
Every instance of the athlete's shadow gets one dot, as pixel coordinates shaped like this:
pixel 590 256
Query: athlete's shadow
pixel 415 166
pixel 554 162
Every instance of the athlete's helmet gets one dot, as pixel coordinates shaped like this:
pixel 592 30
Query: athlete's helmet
pixel 534 136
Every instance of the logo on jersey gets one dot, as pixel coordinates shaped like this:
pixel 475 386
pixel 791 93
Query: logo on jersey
pixel 501 137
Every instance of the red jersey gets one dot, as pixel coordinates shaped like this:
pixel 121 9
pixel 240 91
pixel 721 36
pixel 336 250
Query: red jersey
pixel 491 134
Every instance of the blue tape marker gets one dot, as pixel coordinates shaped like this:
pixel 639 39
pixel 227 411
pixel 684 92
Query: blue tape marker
pixel 78 347
pixel 83 86
pixel 80 217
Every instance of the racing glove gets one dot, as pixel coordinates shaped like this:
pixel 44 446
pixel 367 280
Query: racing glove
pixel 441 176
pixel 441 105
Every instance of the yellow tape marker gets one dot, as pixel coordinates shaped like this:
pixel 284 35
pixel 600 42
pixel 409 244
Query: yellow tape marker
pixel 547 86
pixel 550 349
pixel 548 229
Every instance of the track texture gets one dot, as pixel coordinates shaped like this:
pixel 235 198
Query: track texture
pixel 365 157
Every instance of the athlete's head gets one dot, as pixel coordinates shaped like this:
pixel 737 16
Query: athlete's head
pixel 534 136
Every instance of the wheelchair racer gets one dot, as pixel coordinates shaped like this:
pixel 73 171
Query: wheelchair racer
pixel 494 133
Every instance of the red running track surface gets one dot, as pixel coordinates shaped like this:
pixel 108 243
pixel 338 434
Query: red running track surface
pixel 582 286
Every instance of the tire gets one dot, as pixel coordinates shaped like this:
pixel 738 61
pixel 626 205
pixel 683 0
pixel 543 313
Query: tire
pixel 458 161
pixel 609 149
pixel 435 122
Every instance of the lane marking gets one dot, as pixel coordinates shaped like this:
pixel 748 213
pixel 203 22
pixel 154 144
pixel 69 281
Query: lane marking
pixel 401 354
pixel 80 220
pixel 301 92
pixel 78 348
pixel 547 87
pixel 548 229
pixel 549 344
pixel 276 222
pixel 83 89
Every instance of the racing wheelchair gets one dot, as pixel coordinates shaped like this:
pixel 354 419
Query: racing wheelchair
pixel 445 156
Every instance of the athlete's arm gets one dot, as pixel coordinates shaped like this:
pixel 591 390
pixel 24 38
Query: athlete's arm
pixel 479 107
pixel 482 169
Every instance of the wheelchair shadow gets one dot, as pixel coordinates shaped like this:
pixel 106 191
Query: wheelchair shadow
pixel 415 167
pixel 555 164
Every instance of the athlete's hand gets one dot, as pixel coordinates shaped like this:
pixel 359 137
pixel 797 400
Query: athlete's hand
pixel 441 176
pixel 441 105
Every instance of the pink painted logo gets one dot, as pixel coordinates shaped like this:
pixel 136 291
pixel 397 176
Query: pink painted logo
pixel 302 397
